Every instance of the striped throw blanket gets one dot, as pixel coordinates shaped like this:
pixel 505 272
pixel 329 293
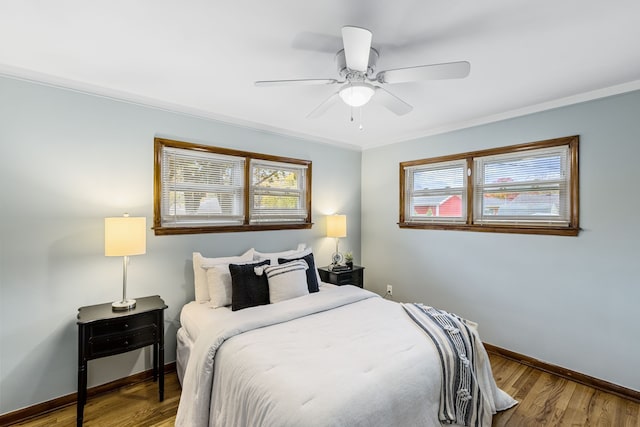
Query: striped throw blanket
pixel 461 399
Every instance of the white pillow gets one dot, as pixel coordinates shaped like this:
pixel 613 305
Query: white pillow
pixel 273 256
pixel 286 281
pixel 219 285
pixel 200 264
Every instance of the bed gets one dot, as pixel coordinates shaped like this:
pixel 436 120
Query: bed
pixel 339 356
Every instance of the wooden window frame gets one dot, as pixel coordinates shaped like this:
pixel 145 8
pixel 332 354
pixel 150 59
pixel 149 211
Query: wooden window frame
pixel 160 229
pixel 572 229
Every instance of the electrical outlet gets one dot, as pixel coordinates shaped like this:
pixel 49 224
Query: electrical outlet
pixel 389 290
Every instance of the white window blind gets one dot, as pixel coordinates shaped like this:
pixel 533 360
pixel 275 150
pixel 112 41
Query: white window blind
pixel 531 187
pixel 436 192
pixel 277 193
pixel 201 188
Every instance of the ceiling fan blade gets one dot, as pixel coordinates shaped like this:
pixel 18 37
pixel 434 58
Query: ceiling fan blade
pixel 300 82
pixel 357 42
pixel 392 102
pixel 322 108
pixel 449 70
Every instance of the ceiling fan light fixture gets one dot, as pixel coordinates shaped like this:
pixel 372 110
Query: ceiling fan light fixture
pixel 357 94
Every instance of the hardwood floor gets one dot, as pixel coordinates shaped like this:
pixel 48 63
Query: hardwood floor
pixel 131 406
pixel 549 400
pixel 545 400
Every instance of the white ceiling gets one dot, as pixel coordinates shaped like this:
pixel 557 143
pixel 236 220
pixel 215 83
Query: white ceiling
pixel 202 57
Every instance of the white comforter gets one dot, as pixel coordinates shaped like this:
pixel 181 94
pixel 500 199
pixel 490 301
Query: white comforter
pixel 344 357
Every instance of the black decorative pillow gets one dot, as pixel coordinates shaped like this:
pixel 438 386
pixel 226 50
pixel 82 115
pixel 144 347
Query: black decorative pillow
pixel 247 288
pixel 312 274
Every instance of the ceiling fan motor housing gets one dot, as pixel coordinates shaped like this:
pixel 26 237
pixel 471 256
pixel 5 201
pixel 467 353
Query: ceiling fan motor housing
pixel 344 71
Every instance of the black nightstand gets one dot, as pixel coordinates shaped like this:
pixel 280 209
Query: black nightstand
pixel 355 276
pixel 104 332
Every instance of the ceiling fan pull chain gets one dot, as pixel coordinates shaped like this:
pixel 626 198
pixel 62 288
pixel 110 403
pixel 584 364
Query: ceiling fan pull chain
pixel 351 113
pixel 361 127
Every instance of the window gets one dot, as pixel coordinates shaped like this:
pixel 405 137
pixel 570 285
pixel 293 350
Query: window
pixel 528 188
pixel 436 192
pixel 278 193
pixel 200 189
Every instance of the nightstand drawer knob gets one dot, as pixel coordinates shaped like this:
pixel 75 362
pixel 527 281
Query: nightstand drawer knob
pixel 126 325
pixel 126 343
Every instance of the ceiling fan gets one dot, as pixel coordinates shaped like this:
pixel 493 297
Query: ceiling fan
pixel 359 82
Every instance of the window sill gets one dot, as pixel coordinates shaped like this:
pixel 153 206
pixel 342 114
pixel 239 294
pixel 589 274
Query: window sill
pixel 163 231
pixel 514 229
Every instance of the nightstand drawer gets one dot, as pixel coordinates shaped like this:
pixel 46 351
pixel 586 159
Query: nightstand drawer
pixel 105 345
pixel 124 324
pixel 345 279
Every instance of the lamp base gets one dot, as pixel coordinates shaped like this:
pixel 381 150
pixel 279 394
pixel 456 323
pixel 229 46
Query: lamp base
pixel 124 305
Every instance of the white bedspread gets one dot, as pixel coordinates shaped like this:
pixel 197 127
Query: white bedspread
pixel 344 357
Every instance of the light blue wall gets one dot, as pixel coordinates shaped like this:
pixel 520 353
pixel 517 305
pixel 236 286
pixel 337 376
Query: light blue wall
pixel 67 161
pixel 570 301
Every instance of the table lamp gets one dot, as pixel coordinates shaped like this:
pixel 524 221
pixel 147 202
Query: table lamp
pixel 336 227
pixel 125 236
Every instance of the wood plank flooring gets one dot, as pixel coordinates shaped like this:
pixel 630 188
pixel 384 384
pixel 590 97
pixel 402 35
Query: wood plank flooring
pixel 131 406
pixel 548 400
pixel 545 400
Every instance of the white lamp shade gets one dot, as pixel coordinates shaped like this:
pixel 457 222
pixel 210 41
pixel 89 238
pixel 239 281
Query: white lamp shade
pixel 357 94
pixel 337 226
pixel 124 236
